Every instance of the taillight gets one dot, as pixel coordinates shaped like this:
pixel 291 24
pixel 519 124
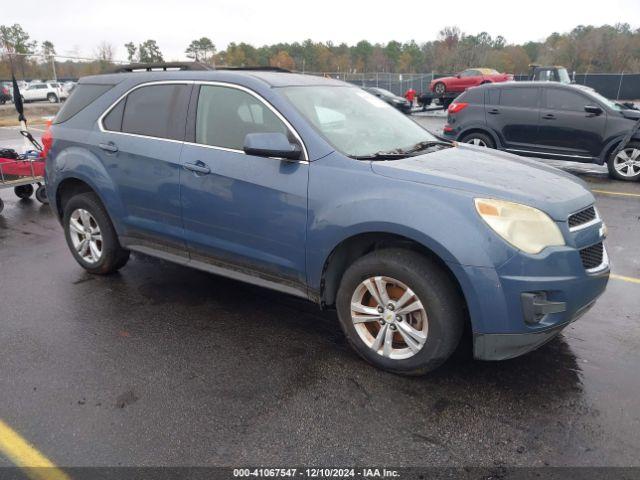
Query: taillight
pixel 455 107
pixel 47 141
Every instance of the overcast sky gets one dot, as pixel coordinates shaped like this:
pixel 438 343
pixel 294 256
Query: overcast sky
pixel 77 26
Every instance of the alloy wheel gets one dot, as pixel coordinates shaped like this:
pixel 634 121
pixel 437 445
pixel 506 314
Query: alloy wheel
pixel 478 142
pixel 389 317
pixel 627 162
pixel 85 235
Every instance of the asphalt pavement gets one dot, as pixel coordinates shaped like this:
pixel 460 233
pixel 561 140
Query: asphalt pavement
pixel 164 365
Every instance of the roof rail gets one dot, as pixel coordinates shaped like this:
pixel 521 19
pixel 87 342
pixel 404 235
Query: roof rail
pixel 161 66
pixel 258 68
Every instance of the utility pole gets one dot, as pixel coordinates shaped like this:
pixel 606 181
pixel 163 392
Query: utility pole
pixel 53 67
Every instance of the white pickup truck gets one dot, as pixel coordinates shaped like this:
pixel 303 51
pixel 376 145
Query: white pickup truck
pixel 51 91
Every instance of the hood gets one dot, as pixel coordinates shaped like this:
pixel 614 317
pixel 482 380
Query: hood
pixel 494 174
pixel 631 114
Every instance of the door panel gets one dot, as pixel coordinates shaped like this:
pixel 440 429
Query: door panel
pixel 248 210
pixel 566 129
pixel 513 113
pixel 245 211
pixel 140 148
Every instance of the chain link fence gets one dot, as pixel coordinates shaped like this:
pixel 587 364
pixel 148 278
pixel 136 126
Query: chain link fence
pixel 617 86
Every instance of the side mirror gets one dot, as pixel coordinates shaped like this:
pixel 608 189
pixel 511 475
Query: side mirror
pixel 593 109
pixel 275 145
pixel 458 75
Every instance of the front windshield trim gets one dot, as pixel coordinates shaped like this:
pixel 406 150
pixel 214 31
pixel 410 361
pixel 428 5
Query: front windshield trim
pixel 395 118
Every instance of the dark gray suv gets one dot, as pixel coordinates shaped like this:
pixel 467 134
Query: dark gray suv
pixel 548 120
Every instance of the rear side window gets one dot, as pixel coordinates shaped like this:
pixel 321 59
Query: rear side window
pixel 226 115
pixel 519 97
pixel 474 96
pixel 558 99
pixel 156 111
pixel 113 120
pixel 83 95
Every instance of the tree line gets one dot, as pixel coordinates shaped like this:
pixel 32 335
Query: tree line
pixel 585 49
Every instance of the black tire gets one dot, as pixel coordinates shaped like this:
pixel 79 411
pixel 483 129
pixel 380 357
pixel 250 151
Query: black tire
pixel 113 256
pixel 52 98
pixel 439 89
pixel 1 205
pixel 615 174
pixel 3 101
pixel 435 289
pixel 484 138
pixel 23 191
pixel 41 195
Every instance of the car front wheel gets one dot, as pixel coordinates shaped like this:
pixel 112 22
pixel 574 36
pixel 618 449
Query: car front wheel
pixel 91 237
pixel 626 164
pixel 400 311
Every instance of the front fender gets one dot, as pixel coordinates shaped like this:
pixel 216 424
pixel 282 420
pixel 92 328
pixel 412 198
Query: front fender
pixel 345 202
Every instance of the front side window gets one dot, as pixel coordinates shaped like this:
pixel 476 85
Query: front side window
pixel 226 115
pixel 519 97
pixel 157 111
pixel 565 100
pixel 355 122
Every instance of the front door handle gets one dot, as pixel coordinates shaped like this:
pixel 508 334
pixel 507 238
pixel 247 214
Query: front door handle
pixel 198 167
pixel 109 147
pixel 549 116
pixel 494 111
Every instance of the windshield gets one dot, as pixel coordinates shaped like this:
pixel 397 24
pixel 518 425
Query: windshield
pixel 609 103
pixel 355 122
pixel 563 75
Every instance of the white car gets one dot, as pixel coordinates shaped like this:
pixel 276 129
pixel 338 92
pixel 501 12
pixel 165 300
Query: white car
pixel 51 91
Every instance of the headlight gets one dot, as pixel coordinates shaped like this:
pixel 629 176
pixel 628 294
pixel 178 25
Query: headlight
pixel 524 227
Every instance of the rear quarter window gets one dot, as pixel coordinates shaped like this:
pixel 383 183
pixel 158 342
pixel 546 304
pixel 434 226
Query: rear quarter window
pixel 157 111
pixel 519 97
pixel 474 96
pixel 83 95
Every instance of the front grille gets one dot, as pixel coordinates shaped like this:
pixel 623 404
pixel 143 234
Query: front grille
pixel 592 256
pixel 582 217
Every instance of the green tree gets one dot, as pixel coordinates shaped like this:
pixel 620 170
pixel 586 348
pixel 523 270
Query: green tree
pixel 149 52
pixel 15 40
pixel 201 50
pixel 47 48
pixel 131 51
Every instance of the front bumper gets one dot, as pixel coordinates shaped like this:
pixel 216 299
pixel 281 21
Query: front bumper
pixel 497 346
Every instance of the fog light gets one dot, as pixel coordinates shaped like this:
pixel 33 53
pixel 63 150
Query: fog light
pixel 535 307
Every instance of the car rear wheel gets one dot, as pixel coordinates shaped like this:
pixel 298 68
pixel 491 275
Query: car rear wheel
pixel 52 97
pixel 91 237
pixel 626 164
pixel 439 88
pixel 400 311
pixel 479 139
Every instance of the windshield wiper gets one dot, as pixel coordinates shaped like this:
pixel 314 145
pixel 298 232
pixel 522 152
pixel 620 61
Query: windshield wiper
pixel 426 144
pixel 392 155
pixel 402 152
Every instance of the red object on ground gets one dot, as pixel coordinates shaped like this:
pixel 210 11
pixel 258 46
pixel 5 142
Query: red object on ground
pixel 21 168
pixel 410 94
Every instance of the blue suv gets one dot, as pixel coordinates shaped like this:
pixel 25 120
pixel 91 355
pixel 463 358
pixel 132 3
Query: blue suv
pixel 316 188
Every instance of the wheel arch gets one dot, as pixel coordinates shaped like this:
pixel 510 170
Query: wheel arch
pixel 480 129
pixel 354 247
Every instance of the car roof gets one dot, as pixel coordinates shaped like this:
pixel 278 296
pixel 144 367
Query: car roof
pixel 272 79
pixel 570 86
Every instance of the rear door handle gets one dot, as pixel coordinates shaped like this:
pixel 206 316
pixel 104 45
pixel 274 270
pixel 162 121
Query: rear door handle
pixel 198 167
pixel 494 111
pixel 549 116
pixel 109 147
